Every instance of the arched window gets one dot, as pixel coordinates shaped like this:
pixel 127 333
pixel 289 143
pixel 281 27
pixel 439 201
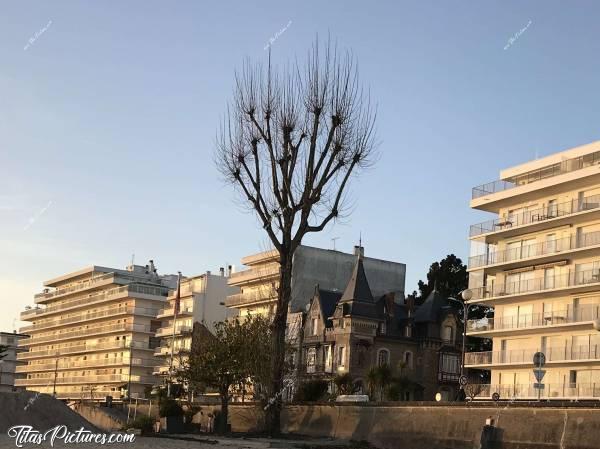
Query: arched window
pixel 448 333
pixel 383 357
pixel 408 359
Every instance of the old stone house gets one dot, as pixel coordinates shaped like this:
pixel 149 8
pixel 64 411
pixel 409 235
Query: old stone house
pixel 351 332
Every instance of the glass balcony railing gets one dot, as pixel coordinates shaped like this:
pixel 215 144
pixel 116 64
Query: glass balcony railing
pixel 74 333
pixel 66 364
pixel 525 356
pixel 571 279
pixel 546 248
pixel 242 299
pixel 82 348
pixel 566 166
pixel 551 391
pixel 536 215
pixel 89 379
pixel 557 317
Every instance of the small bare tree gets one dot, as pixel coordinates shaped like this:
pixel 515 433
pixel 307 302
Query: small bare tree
pixel 289 143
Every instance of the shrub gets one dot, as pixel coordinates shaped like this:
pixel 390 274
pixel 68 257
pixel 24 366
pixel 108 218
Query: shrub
pixel 169 407
pixel 144 423
pixel 344 383
pixel 312 390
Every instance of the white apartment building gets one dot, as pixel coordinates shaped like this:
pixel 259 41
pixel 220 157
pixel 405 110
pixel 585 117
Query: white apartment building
pixel 8 360
pixel 92 333
pixel 202 300
pixel 537 263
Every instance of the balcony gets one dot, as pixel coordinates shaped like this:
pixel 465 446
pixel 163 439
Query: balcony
pixel 62 364
pixel 317 369
pixel 566 166
pixel 537 250
pixel 140 311
pixel 123 327
pixel 124 291
pixel 551 391
pixel 536 216
pixel 254 274
pixel 246 299
pixel 82 348
pixel 90 379
pixel 571 280
pixel 525 356
pixel 570 315
pixel 183 311
pixel 167 331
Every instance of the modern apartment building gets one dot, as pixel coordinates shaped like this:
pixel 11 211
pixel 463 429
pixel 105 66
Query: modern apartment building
pixel 202 300
pixel 92 333
pixel 329 269
pixel 8 360
pixel 537 263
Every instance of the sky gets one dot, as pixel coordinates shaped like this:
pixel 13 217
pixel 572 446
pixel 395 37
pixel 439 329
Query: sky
pixel 109 111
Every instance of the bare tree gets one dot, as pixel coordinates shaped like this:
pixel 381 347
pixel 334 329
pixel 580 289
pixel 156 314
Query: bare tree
pixel 289 143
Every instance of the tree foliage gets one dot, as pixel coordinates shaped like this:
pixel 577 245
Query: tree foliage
pixel 449 276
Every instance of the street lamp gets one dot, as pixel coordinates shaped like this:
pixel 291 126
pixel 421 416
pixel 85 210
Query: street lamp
pixel 466 295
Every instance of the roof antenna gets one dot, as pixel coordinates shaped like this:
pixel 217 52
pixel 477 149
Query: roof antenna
pixel 132 258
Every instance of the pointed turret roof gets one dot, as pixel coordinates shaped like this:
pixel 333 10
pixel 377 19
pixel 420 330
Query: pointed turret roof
pixel 358 287
pixel 430 310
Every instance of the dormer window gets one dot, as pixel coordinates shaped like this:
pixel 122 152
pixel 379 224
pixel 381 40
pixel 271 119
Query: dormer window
pixel 314 326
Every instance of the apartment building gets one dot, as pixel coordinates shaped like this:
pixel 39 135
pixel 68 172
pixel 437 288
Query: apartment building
pixel 537 263
pixel 92 333
pixel 8 360
pixel 330 269
pixel 201 300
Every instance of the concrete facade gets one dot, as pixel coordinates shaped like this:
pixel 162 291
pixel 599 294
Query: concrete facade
pixel 537 263
pixel 202 300
pixel 92 333
pixel 8 360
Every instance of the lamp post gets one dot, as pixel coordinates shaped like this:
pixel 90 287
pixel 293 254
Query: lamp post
pixel 130 365
pixel 466 295
pixel 55 375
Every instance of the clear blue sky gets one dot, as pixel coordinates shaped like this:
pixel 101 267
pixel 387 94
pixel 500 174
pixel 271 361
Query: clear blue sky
pixel 107 123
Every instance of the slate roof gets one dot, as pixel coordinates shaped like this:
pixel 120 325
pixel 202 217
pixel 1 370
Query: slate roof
pixel 358 287
pixel 328 301
pixel 430 311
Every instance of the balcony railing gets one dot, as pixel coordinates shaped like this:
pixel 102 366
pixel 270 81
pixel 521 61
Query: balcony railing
pixel 82 348
pixel 523 321
pixel 536 215
pixel 168 330
pixel 536 250
pixel 258 273
pixel 551 391
pixel 317 369
pixel 121 361
pixel 74 333
pixel 566 166
pixel 184 310
pixel 241 299
pixel 42 324
pixel 525 356
pixel 571 279
pixel 89 379
pixel 95 298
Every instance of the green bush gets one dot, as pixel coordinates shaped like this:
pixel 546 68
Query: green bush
pixel 311 391
pixel 144 423
pixel 169 407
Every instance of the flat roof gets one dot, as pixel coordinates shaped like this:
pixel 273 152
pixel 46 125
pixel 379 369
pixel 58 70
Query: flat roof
pixel 79 273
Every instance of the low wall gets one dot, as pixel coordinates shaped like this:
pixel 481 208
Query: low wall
pixel 447 427
pixel 107 419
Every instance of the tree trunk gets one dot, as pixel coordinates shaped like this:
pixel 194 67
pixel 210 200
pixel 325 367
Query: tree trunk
pixel 221 423
pixel 279 327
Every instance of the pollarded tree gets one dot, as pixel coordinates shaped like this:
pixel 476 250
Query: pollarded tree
pixel 289 143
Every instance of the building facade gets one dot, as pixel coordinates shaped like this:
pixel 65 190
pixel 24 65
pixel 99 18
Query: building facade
pixel 537 263
pixel 354 331
pixel 329 268
pixel 92 333
pixel 202 300
pixel 8 360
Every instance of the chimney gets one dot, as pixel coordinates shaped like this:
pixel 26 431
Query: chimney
pixel 222 271
pixel 208 272
pixel 359 251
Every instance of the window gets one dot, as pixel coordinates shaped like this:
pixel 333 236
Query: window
pixel 408 331
pixel 341 356
pixel 328 358
pixel 314 328
pixel 448 333
pixel 408 359
pixel 311 360
pixel 383 357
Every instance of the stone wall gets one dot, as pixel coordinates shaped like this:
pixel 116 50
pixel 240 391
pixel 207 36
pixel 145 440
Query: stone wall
pixel 443 427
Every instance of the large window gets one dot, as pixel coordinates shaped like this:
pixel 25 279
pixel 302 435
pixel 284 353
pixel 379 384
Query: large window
pixel 408 359
pixel 311 360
